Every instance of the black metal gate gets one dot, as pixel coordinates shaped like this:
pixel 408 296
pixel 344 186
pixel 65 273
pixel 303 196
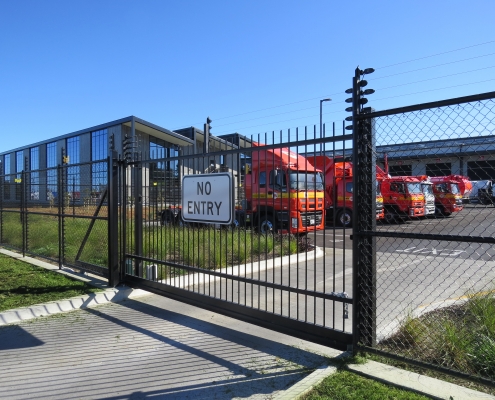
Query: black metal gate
pixel 254 268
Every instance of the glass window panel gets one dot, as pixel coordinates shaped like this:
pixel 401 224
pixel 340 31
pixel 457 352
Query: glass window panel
pixel 99 145
pixel 51 155
pixel 73 176
pixel 7 178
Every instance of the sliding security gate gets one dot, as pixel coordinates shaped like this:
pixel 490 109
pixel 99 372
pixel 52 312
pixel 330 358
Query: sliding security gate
pixel 253 268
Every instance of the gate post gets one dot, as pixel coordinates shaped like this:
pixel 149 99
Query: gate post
pixel 60 191
pixel 23 186
pixel 2 194
pixel 113 223
pixel 364 246
pixel 138 218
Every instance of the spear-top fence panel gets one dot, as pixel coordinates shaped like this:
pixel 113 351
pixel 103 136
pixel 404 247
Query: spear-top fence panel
pixel 264 266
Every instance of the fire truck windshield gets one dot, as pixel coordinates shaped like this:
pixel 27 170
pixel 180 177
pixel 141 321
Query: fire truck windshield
pixel 454 187
pixel 427 188
pixel 305 180
pixel 414 188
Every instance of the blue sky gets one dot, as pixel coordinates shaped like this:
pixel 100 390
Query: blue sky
pixel 252 66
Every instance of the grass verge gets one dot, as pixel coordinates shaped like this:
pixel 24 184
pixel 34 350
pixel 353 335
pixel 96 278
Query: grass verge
pixel 460 337
pixel 23 285
pixel 345 385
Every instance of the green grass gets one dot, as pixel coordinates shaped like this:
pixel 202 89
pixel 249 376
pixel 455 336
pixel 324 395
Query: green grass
pixel 345 385
pixel 460 337
pixel 210 248
pixel 202 247
pixel 23 285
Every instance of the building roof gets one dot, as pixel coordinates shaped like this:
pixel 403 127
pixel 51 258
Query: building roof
pixel 139 124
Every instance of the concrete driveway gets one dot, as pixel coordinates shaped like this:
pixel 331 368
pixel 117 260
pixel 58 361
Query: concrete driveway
pixel 150 347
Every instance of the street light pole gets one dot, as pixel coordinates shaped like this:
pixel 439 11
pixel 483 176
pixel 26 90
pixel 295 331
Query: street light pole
pixel 321 120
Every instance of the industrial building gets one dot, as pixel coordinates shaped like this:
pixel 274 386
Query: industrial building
pixel 473 157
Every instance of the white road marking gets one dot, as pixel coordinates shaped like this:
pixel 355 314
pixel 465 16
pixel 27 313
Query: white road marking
pixel 433 251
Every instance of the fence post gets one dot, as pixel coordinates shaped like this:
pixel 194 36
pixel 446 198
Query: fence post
pixel 364 246
pixel 22 184
pixel 60 189
pixel 113 223
pixel 138 218
pixel 2 188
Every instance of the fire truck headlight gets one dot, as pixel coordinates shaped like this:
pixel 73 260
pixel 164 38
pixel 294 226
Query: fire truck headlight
pixel 294 222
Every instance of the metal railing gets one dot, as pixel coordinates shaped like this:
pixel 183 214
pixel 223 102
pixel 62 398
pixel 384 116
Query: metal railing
pixel 59 214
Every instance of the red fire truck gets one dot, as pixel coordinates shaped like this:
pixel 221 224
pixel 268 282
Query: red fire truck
pixel 402 196
pixel 339 190
pixel 284 192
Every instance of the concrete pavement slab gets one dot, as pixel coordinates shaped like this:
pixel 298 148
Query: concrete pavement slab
pixel 150 347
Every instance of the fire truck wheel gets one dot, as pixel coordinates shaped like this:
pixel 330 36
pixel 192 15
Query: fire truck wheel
pixel 344 218
pixel 181 223
pixel 390 218
pixel 167 218
pixel 267 224
pixel 234 225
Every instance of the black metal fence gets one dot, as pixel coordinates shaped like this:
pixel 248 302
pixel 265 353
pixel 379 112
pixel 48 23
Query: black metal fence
pixel 260 234
pixel 425 276
pixel 272 264
pixel 59 214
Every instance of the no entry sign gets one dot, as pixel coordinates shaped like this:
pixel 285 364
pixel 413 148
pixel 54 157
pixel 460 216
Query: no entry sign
pixel 208 198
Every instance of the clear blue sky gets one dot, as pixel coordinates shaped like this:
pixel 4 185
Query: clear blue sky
pixel 252 66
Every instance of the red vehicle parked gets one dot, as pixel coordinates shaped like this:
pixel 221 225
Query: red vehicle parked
pixel 283 192
pixel 339 190
pixel 448 198
pixel 463 182
pixel 403 196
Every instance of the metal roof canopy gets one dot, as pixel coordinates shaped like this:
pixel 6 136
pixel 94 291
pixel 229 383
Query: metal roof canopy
pixel 139 124
pixel 158 132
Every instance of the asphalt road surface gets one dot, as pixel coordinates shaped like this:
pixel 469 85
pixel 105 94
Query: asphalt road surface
pixel 474 220
pixel 412 275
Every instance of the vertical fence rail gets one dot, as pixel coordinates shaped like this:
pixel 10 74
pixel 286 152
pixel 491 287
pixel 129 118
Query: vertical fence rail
pixel 364 247
pixel 60 189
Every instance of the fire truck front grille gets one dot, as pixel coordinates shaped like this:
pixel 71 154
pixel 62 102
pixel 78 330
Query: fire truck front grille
pixel 311 218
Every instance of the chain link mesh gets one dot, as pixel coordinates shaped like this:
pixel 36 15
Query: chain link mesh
pixel 435 268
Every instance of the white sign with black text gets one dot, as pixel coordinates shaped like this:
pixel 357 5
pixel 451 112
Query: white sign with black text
pixel 208 198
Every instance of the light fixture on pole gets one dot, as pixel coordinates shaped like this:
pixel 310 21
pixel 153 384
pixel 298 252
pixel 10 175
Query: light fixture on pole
pixel 321 120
